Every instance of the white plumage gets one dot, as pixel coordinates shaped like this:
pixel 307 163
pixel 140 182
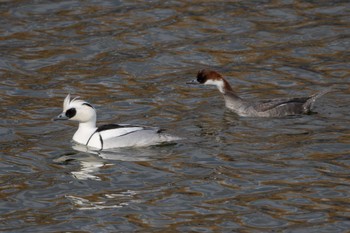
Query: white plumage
pixel 108 136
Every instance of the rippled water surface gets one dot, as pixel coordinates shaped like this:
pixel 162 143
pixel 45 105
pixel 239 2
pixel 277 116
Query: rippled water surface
pixel 131 60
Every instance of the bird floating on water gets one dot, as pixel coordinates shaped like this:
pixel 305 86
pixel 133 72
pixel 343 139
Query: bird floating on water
pixel 110 135
pixel 256 108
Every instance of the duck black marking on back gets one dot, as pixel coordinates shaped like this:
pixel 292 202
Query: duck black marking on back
pixel 116 126
pixel 103 128
pixel 113 126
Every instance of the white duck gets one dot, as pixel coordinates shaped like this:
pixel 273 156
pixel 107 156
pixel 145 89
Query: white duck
pixel 111 135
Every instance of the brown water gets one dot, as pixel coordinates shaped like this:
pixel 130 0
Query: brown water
pixel 131 59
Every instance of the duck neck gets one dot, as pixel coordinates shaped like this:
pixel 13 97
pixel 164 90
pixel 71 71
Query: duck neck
pixel 84 132
pixel 226 89
pixel 88 125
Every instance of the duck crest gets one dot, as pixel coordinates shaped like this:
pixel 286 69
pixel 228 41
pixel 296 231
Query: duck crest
pixel 66 102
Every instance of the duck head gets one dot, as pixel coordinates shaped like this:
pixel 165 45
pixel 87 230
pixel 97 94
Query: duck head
pixel 211 77
pixel 77 110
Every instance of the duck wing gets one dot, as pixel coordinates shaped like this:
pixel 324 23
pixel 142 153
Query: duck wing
pixel 118 130
pixel 267 105
pixel 125 135
pixel 114 136
pixel 304 103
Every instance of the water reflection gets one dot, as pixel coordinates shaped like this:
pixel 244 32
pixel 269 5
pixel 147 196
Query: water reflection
pixel 123 199
pixel 94 160
pixel 122 154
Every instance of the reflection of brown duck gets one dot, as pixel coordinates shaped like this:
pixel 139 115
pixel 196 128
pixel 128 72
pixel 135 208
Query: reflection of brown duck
pixel 262 108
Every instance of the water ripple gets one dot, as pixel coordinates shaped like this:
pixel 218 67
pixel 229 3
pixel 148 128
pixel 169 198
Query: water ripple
pixel 131 60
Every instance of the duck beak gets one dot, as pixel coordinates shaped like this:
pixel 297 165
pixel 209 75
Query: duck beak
pixel 61 117
pixel 194 81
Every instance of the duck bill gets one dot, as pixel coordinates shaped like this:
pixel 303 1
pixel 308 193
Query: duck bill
pixel 60 117
pixel 193 82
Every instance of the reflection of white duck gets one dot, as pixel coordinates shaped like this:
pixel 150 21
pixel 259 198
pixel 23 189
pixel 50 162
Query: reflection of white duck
pixel 120 154
pixel 111 135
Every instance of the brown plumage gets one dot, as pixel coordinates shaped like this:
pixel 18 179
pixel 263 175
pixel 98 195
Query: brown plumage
pixel 260 108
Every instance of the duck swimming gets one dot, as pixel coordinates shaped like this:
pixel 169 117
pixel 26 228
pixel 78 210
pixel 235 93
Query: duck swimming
pixel 256 108
pixel 111 135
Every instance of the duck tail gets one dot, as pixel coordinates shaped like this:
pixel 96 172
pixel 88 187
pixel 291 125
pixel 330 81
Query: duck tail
pixel 308 105
pixel 164 137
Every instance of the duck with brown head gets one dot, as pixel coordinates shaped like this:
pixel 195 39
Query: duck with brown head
pixel 256 108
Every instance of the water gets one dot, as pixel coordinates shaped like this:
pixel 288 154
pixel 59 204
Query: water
pixel 131 59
